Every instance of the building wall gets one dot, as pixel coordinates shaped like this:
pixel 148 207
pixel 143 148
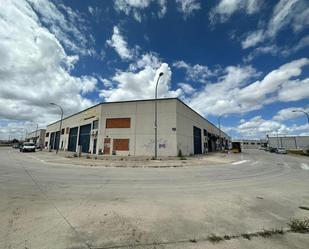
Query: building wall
pixel 140 133
pixel 175 128
pixel 40 134
pixel 289 142
pixel 186 120
pixel 249 143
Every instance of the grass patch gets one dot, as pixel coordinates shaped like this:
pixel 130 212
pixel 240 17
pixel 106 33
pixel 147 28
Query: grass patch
pixel 299 225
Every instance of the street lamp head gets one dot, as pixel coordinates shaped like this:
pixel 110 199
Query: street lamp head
pixel 52 103
pixel 294 111
pixel 160 74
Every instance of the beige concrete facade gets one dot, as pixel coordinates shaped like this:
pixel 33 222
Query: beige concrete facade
pixel 38 136
pixel 249 143
pixel 175 129
pixel 288 142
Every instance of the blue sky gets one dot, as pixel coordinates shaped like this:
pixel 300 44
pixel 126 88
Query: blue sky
pixel 246 60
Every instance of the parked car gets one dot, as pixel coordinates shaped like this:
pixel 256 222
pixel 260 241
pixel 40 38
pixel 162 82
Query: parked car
pixel 281 151
pixel 27 147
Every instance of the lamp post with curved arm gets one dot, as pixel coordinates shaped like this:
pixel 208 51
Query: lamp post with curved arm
pixel 60 124
pixel 306 113
pixel 156 117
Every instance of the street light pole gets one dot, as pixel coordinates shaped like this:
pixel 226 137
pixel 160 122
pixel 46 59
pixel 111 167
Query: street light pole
pixel 219 124
pixel 156 117
pixel 60 124
pixel 306 113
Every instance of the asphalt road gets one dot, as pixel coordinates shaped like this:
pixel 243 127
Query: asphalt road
pixel 49 205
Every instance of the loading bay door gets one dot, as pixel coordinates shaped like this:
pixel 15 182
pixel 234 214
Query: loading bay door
pixel 84 137
pixel 197 140
pixel 73 139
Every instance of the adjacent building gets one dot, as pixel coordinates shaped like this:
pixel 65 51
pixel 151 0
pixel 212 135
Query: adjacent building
pixel 249 143
pixel 37 137
pixel 288 142
pixel 127 128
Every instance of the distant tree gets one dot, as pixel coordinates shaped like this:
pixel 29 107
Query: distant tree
pixel 15 141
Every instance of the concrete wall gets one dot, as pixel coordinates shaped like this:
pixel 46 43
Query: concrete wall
pixel 289 142
pixel 249 143
pixel 175 127
pixel 186 119
pixel 39 135
pixel 141 132
pixel 77 120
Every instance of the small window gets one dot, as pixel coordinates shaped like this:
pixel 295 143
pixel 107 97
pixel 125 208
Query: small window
pixel 67 131
pixel 62 131
pixel 95 124
pixel 47 134
pixel 252 143
pixel 258 143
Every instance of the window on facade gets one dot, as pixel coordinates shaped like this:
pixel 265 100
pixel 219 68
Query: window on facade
pixel 95 124
pixel 67 131
pixel 118 123
pixel 252 143
pixel 47 134
pixel 205 133
pixel 62 131
pixel 121 144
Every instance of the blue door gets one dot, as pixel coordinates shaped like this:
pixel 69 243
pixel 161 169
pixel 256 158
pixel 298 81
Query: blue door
pixel 197 140
pixel 73 139
pixel 84 137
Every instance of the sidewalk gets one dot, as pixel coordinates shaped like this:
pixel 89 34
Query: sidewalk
pixel 132 161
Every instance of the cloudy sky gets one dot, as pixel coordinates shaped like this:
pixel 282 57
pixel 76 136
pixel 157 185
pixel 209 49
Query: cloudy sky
pixel 246 60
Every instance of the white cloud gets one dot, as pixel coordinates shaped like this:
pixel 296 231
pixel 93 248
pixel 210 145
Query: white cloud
pixel 35 69
pixel 197 72
pixel 187 89
pixel 258 127
pixel 67 25
pixel 294 90
pixel 286 13
pixel 232 93
pixel 118 42
pixel 137 7
pixel 140 83
pixel 226 8
pixel 252 39
pixel 187 7
pixel 287 113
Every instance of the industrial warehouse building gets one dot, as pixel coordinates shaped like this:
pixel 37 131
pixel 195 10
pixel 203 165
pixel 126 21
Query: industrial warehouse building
pixel 127 128
pixel 37 137
pixel 288 142
pixel 247 144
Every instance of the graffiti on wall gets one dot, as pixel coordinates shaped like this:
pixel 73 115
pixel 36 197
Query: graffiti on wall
pixel 162 144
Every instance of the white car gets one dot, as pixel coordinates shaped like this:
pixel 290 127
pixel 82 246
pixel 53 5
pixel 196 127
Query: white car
pixel 281 151
pixel 27 147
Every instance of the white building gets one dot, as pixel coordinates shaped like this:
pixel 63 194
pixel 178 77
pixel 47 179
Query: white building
pixel 249 143
pixel 288 142
pixel 127 128
pixel 37 136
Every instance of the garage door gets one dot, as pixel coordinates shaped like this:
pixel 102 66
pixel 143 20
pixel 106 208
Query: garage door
pixel 197 140
pixel 84 137
pixel 73 139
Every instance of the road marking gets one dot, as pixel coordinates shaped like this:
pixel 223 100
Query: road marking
pixel 254 163
pixel 304 166
pixel 36 158
pixel 240 162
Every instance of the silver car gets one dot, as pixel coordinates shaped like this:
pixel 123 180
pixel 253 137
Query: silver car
pixel 27 147
pixel 281 151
